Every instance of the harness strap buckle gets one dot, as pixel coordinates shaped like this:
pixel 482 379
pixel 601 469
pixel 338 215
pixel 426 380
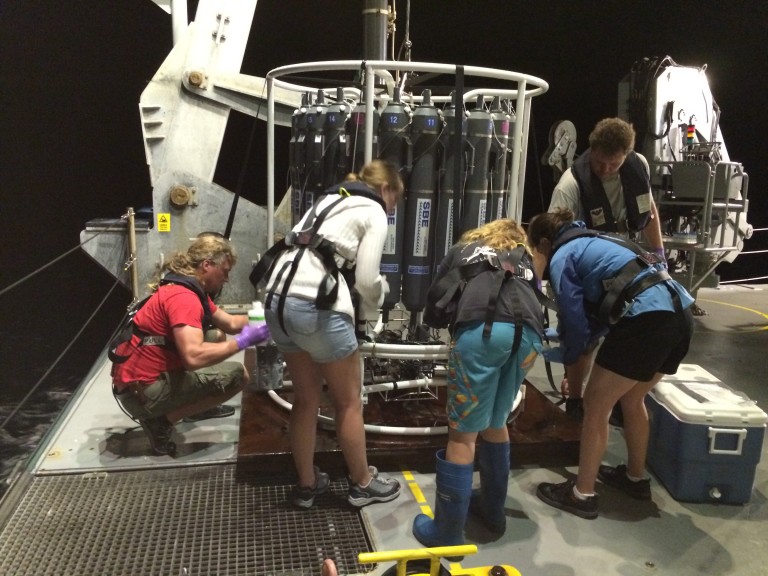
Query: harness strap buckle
pixel 308 238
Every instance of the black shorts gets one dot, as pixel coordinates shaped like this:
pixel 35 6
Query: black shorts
pixel 639 346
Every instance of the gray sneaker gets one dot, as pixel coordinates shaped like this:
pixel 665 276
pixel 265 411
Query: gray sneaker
pixel 305 497
pixel 381 488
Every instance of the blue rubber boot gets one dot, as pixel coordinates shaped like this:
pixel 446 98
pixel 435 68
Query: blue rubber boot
pixel 487 504
pixel 454 488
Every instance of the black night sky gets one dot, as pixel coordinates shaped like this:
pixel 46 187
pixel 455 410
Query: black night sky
pixel 71 147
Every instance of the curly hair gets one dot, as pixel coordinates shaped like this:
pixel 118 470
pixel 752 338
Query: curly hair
pixel 612 135
pixel 501 234
pixel 207 246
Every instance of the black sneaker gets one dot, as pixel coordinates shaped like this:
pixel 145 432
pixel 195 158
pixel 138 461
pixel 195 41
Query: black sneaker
pixel 220 411
pixel 381 488
pixel 561 496
pixel 617 478
pixel 305 497
pixel 159 431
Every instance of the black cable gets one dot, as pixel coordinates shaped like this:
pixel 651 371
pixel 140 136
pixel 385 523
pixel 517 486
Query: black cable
pixel 67 253
pixel 56 362
pixel 241 177
pixel 458 146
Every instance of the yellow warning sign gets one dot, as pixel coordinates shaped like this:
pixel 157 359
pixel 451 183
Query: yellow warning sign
pixel 164 222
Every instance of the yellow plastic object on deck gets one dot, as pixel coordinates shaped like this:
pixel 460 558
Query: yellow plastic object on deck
pixel 435 557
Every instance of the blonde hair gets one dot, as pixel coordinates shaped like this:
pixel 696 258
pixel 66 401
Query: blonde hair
pixel 501 234
pixel 378 173
pixel 207 246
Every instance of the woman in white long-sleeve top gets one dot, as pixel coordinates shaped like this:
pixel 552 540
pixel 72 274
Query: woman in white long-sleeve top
pixel 311 315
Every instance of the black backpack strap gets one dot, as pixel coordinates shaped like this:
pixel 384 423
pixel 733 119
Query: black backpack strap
pixel 294 266
pixel 303 240
pixel 440 307
pixel 518 254
pixel 516 307
pixel 617 290
pixel 124 334
pixel 126 331
pixel 504 272
pixel 545 301
pixel 571 234
pixel 128 328
pixel 446 287
pixel 620 294
pixel 325 250
pixel 264 267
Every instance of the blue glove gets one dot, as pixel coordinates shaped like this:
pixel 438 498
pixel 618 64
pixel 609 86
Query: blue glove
pixel 551 334
pixel 251 335
pixel 553 354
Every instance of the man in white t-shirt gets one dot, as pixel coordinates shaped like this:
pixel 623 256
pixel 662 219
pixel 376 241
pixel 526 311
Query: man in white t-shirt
pixel 608 186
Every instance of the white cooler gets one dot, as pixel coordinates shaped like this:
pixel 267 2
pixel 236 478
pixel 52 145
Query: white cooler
pixel 705 439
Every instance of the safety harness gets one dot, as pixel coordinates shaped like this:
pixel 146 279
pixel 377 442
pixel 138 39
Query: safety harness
pixel 309 239
pixel 444 295
pixel 128 328
pixel 621 290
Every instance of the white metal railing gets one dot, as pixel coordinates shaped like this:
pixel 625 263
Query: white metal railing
pixel 524 88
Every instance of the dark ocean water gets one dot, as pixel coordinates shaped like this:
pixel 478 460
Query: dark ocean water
pixel 42 357
pixel 29 425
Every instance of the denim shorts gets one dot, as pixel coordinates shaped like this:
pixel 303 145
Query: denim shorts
pixel 326 335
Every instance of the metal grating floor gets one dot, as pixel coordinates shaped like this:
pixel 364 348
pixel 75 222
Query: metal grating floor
pixel 193 521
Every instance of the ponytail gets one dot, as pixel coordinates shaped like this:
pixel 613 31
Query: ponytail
pixel 378 173
pixel 547 225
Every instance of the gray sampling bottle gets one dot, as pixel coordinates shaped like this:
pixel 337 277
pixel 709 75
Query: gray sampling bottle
pixel 263 361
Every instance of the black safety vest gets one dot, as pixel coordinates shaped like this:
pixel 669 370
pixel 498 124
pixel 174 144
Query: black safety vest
pixel 444 295
pixel 128 328
pixel 310 239
pixel 634 183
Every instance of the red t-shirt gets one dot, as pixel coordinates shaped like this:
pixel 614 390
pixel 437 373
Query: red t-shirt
pixel 172 305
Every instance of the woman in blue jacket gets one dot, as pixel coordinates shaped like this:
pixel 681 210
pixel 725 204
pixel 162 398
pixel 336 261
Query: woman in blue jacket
pixel 612 289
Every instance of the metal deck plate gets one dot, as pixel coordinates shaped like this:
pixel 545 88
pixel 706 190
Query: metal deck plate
pixel 176 521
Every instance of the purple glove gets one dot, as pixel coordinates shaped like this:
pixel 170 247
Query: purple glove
pixel 251 335
pixel 660 253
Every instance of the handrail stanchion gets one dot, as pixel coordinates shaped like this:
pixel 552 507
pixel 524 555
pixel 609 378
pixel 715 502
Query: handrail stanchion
pixel 134 271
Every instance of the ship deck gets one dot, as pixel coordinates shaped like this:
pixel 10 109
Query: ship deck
pixel 93 501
